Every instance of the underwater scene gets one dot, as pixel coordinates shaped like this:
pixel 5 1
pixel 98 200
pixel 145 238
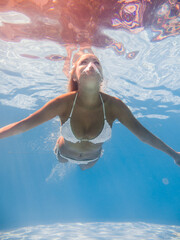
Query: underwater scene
pixel 107 67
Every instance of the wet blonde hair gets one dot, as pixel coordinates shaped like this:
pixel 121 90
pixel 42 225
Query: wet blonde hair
pixel 73 85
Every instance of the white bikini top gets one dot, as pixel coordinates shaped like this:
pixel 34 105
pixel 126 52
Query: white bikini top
pixel 67 133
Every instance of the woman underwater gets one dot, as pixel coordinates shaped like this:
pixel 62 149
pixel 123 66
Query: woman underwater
pixel 86 116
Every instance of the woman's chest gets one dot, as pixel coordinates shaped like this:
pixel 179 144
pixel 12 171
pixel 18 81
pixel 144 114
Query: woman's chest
pixel 88 119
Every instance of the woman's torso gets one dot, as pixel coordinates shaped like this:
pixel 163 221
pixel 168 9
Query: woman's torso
pixel 85 123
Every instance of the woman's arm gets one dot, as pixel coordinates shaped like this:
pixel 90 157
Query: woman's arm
pixel 47 112
pixel 125 116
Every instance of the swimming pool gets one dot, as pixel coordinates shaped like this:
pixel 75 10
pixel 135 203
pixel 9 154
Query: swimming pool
pixel 133 190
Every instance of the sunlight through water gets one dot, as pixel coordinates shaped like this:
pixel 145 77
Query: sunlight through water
pixel 138 45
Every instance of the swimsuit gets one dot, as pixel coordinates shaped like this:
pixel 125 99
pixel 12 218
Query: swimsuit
pixel 72 160
pixel 67 133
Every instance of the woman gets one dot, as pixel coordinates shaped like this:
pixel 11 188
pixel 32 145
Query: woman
pixel 87 116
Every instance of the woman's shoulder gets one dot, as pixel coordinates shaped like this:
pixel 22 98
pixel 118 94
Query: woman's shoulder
pixel 114 105
pixel 65 97
pixel 111 100
pixel 62 102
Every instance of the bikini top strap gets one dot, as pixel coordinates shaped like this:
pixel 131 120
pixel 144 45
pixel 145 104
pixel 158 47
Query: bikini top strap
pixel 103 106
pixel 73 105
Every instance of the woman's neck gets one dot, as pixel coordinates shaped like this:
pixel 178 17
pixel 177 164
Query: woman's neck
pixel 88 99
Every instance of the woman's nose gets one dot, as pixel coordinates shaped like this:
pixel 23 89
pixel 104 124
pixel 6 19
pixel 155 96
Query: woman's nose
pixel 90 66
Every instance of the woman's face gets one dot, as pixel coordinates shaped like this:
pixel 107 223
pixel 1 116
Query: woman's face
pixel 89 71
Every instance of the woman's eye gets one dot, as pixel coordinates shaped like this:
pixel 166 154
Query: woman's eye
pixel 96 62
pixel 83 62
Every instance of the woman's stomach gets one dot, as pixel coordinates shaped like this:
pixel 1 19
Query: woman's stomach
pixel 79 151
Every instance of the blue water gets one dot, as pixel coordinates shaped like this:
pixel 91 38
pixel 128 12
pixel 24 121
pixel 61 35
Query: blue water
pixel 133 191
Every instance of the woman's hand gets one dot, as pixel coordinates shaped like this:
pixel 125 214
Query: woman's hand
pixel 177 159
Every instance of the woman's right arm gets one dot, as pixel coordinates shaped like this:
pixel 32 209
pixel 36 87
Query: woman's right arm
pixel 125 116
pixel 47 112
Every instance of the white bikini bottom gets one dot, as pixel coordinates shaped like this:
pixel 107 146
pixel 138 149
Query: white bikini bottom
pixel 85 161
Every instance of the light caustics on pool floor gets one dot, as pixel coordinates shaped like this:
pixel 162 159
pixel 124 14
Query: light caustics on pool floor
pixel 96 231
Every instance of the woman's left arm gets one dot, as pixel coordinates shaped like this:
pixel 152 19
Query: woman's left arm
pixel 125 116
